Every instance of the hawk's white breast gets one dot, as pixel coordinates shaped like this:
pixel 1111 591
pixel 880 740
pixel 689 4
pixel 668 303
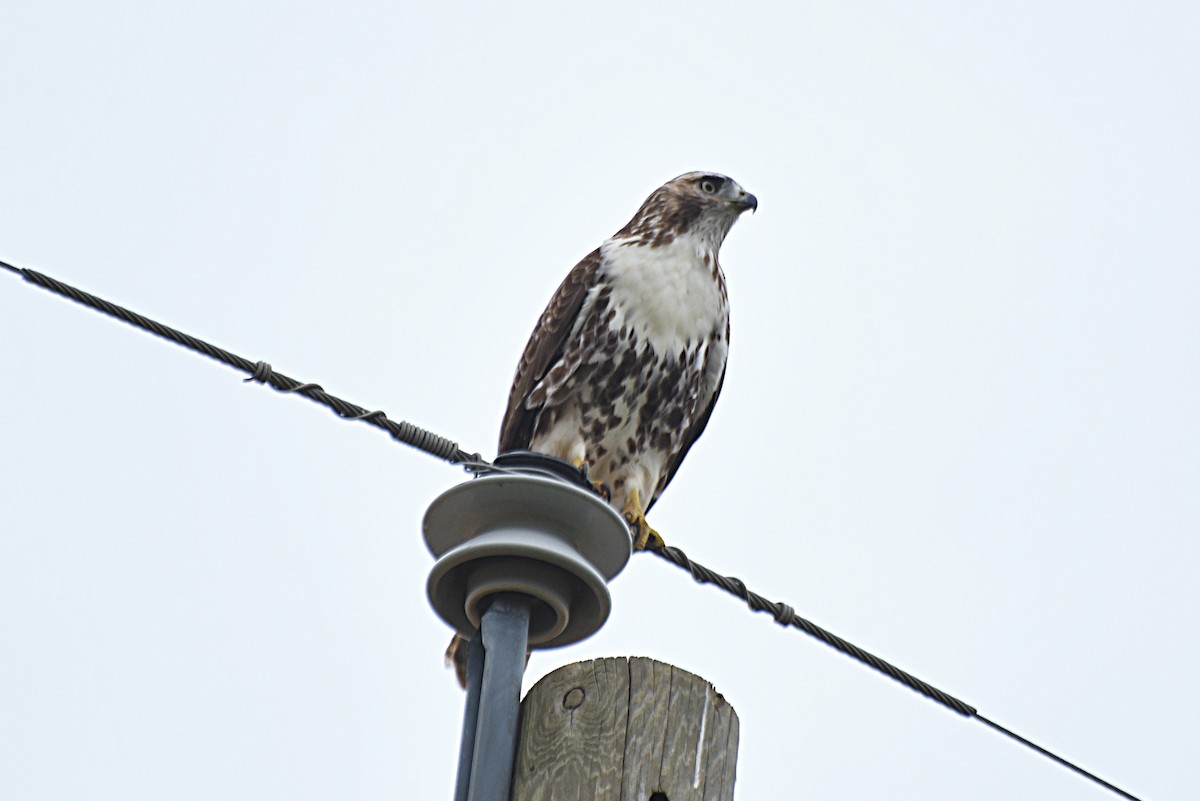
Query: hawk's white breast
pixel 668 294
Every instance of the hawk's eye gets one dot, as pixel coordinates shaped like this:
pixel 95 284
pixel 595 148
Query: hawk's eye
pixel 708 186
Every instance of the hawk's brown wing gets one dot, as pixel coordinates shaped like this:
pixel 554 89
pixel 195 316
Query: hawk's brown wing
pixel 689 438
pixel 545 347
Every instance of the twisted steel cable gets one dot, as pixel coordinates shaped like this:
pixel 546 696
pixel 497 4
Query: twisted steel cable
pixel 449 451
pixel 786 616
pixel 261 372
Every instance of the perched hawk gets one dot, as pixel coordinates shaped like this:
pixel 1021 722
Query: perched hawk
pixel 625 364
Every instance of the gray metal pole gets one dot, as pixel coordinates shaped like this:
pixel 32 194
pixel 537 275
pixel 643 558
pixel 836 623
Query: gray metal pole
pixel 466 750
pixel 504 630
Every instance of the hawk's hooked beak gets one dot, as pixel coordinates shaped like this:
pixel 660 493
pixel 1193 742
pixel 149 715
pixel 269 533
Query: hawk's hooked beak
pixel 746 201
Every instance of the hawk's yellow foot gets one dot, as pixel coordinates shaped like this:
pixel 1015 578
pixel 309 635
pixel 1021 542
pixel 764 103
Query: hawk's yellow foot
pixel 644 537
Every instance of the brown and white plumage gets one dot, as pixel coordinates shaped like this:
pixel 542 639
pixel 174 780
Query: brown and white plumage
pixel 625 364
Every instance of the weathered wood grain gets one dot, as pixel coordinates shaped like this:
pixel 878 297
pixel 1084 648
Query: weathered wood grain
pixel 621 729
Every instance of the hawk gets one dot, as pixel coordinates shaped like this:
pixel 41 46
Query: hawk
pixel 625 364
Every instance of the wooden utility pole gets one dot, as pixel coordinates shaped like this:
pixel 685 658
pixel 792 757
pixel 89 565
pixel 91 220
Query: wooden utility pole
pixel 625 729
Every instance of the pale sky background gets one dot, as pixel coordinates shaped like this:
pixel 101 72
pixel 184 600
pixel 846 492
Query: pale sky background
pixel 960 428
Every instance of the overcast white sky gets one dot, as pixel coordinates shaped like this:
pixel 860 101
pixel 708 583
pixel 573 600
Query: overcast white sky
pixel 960 428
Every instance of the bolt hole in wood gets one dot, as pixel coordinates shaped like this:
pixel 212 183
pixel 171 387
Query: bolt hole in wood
pixel 573 699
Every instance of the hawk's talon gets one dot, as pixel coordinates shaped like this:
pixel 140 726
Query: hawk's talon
pixel 603 490
pixel 644 537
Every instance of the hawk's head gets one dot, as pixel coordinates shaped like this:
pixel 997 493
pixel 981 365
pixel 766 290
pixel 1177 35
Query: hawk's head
pixel 704 204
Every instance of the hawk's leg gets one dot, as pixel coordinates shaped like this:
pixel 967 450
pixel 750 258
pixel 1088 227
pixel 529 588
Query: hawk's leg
pixel 644 537
pixel 603 489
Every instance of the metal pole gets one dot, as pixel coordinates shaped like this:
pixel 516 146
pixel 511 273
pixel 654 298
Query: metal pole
pixel 504 630
pixel 466 750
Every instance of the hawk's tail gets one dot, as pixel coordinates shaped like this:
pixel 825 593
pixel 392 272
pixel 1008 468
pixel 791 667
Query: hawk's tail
pixel 456 657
